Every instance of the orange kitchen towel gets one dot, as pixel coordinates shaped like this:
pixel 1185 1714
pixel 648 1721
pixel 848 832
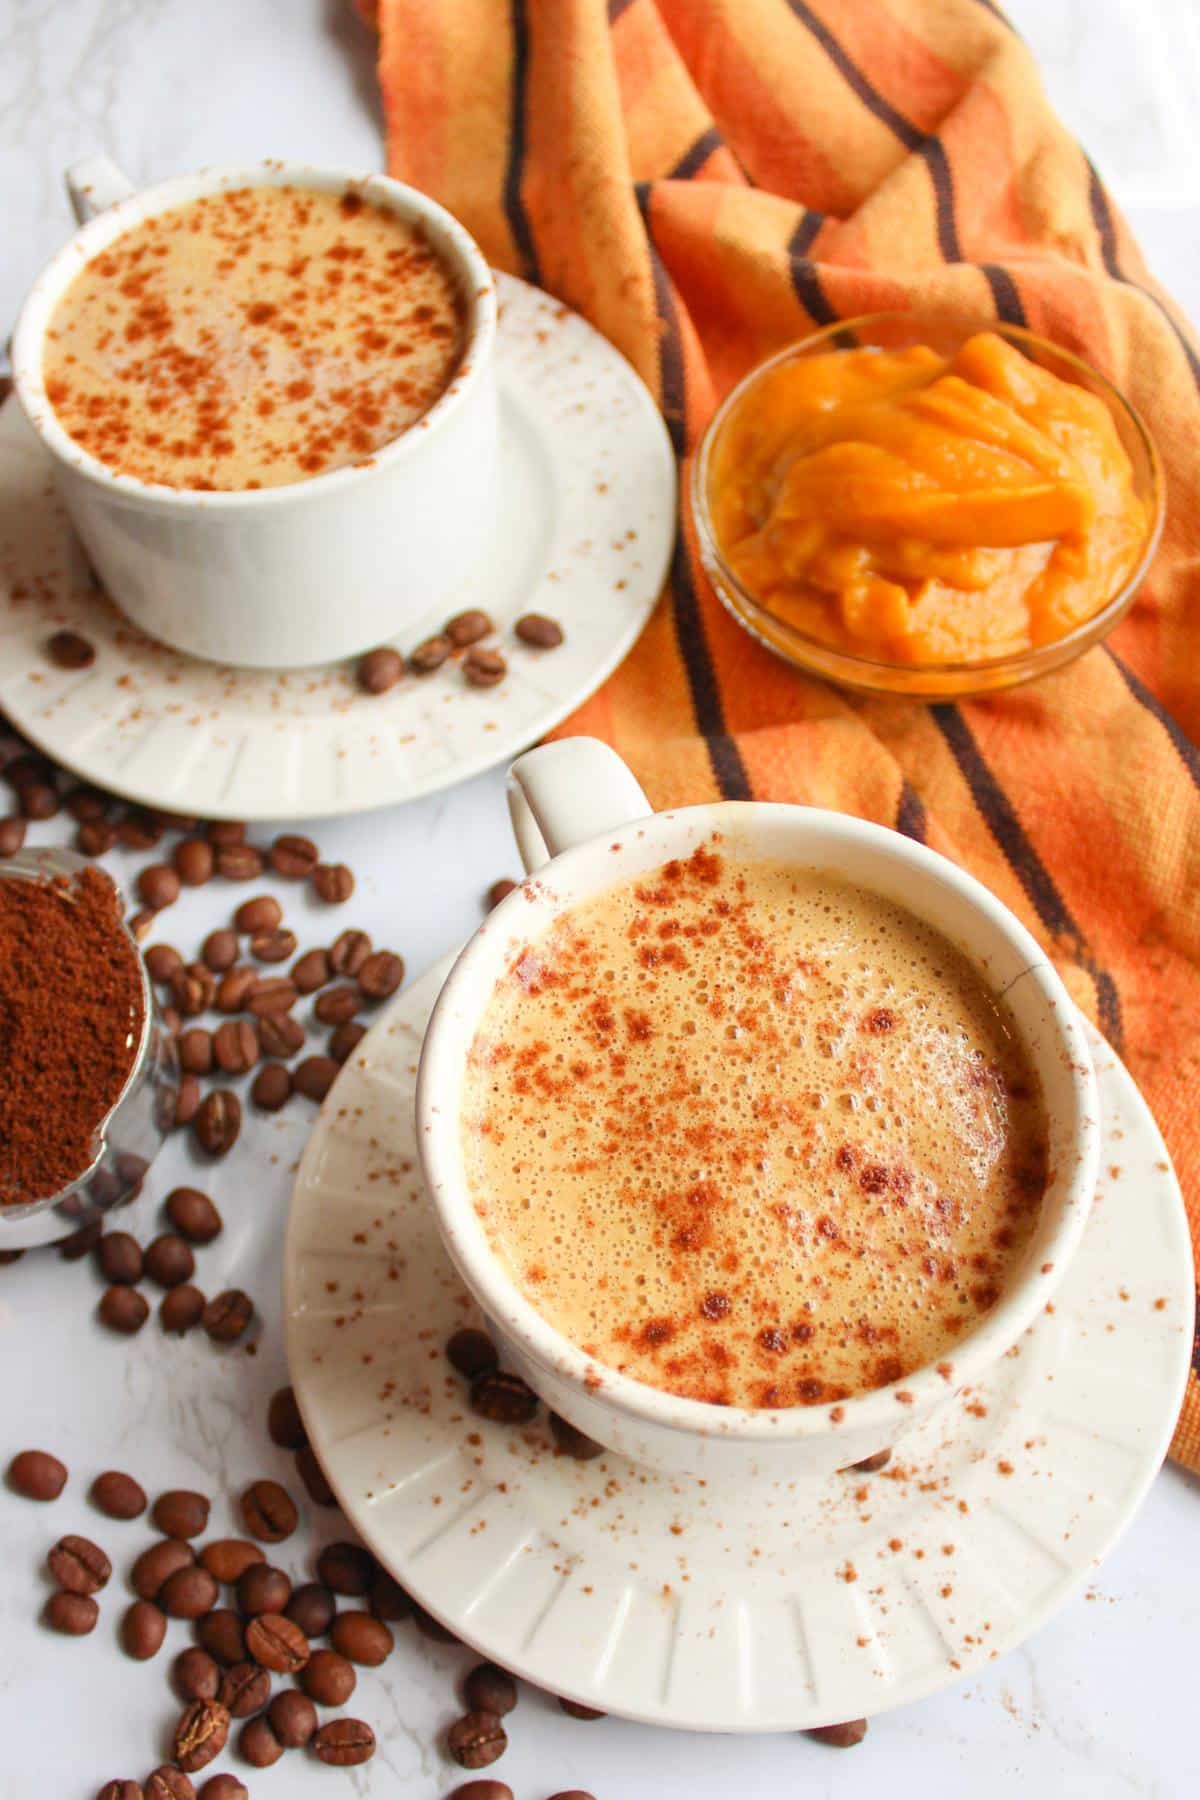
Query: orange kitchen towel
pixel 708 180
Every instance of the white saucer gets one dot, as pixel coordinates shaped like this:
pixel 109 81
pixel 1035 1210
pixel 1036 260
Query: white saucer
pixel 588 520
pixel 757 1609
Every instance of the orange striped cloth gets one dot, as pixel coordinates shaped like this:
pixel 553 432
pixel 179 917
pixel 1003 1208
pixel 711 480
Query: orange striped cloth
pixel 708 180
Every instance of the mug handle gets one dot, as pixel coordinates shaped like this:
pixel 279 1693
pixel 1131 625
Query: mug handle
pixel 94 185
pixel 561 794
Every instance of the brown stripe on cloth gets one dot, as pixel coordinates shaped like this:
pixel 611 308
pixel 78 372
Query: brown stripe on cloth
pixel 514 207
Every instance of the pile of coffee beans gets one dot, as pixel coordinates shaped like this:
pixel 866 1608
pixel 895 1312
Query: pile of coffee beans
pixel 459 641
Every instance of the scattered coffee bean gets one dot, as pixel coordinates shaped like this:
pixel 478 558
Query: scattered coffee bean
pixel 328 1678
pixel 346 1569
pixel 280 1035
pixel 310 971
pixel 483 1790
pixel 239 862
pixel 362 1638
pixel 180 1513
pixel 273 946
pixel 840 1737
pixel 169 1783
pixel 142 924
pixel 432 1628
pixel 155 1566
pixel 235 1046
pixel 348 952
pixel 222 833
pixel 196 1050
pixel 217 1122
pixel 38 800
pixel 500 890
pixel 491 1689
pixel 193 989
pixel 503 1397
pixel 380 670
pixel 269 1512
pixel 472 1352
pixel 227 1559
pixel 118 1495
pixel 294 857
pixel 257 1743
pixel 870 1465
pixel 224 1787
pixel 219 952
pixel 119 1259
pixel 484 668
pixel 245 1689
pixel 221 1634
pixel 82 1242
pixel 162 960
pixel 271 1088
pixel 345 1040
pixel 194 863
pixel 344 1743
pixel 380 975
pixel 235 989
pixel 263 1589
pixel 388 1599
pixel 312 1608
pixel 95 837
pixel 467 628
pixel 277 1643
pixel 12 835
pixel 123 1309
pixel 181 1309
pixel 139 831
pixel 158 886
pixel 227 1316
pixel 169 1263
pixel 574 1710
pixel 573 1794
pixel 293 1718
pixel 313 1476
pixel 271 994
pixel 476 1740
pixel 285 1427
pixel 121 1790
pixel 187 1101
pixel 143 1628
pixel 333 883
pixel 539 631
pixel 337 1005
pixel 200 1734
pixel 263 913
pixel 572 1442
pixel 193 1215
pixel 315 1076
pixel 73 1614
pixel 69 650
pixel 27 768
pixel 188 1594
pixel 429 655
pixel 78 1565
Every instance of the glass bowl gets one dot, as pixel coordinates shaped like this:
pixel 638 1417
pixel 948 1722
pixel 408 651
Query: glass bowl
pixel 130 1135
pixel 941 680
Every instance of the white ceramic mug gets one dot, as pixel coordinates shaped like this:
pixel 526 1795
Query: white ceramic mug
pixel 281 577
pixel 577 803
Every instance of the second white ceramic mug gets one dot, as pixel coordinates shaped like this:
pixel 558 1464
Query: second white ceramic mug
pixel 282 577
pixel 576 803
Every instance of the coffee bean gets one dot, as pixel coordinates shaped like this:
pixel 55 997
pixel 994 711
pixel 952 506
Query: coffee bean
pixel 429 655
pixel 223 833
pixel 315 1076
pixel 574 1710
pixel 227 1559
pixel 224 1787
pixel 219 952
pixel 221 1634
pixel 162 960
pixel 388 1599
pixel 271 1088
pixel 333 883
pixel 217 1122
pixel 500 890
pixel 227 1316
pixel 345 1040
pixel 12 834
pixel 155 1566
pixel 294 857
pixel 490 1689
pixel 485 1790
pixel 139 830
pixel 188 1594
pixel 432 1628
pixel 337 1005
pixel 346 1569
pixel 293 1718
pixel 467 628
pixel 143 1628
pixel 380 670
pixel 180 1513
pixel 158 886
pixel 175 821
pixel 123 1309
pixel 840 1737
pixel 200 1734
pixel 313 1476
pixel 344 1743
pixel 310 971
pixel 273 946
pixel 245 1689
pixel 9 1257
pixel 538 630
pixel 472 1352
pixel 257 1743
pixel 239 862
pixel 118 1495
pixel 121 1790
pixel 269 1512
pixel 73 1614
pixel 169 1263
pixel 193 1215
pixel 348 952
pixel 503 1397
pixel 380 975
pixel 235 989
pixel 328 1678
pixel 196 1050
pixel 38 801
pixel 168 1783
pixel 78 1565
pixel 870 1465
pixel 572 1442
pixel 82 1242
pixel 95 837
pixel 187 1101
pixel 119 1258
pixel 277 1643
pixel 573 1794
pixel 280 1035
pixel 285 1427
pixel 476 1740
pixel 484 668
pixel 312 1608
pixel 70 650
pixel 142 924
pixel 181 1309
pixel 271 994
pixel 21 770
pixel 263 1589
pixel 362 1638
pixel 263 913
pixel 194 863
pixel 235 1046
pixel 193 989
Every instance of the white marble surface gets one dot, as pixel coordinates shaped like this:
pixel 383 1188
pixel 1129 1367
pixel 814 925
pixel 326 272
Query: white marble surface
pixel 1100 1702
